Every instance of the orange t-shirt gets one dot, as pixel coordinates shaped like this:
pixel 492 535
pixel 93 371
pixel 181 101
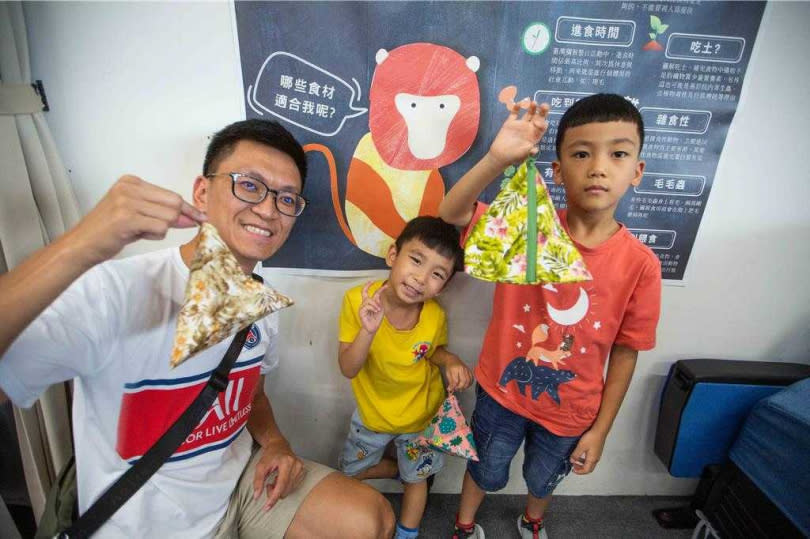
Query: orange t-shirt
pixel 545 350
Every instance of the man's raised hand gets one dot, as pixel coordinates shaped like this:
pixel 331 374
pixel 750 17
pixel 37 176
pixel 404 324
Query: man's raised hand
pixel 131 210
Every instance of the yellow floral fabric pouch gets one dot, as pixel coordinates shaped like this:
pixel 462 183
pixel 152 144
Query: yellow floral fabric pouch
pixel 520 239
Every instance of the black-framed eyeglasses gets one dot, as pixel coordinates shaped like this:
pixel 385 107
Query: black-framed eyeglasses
pixel 253 190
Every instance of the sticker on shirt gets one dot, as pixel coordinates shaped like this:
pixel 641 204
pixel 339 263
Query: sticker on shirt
pixel 420 350
pixel 149 407
pixel 253 338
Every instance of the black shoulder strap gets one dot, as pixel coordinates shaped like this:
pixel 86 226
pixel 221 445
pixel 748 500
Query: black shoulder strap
pixel 140 472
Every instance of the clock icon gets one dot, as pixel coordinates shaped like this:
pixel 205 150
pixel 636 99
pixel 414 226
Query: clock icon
pixel 536 38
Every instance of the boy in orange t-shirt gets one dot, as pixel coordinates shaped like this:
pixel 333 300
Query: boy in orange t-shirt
pixel 540 372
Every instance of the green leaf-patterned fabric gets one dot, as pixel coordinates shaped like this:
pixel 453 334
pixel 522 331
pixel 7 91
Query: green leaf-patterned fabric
pixel 499 244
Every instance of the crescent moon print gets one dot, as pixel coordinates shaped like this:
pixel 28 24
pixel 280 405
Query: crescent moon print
pixel 572 315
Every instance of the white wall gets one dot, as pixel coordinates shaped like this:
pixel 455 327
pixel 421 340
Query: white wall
pixel 137 87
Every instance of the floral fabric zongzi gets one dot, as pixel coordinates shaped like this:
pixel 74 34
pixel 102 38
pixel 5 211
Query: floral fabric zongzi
pixel 449 432
pixel 520 239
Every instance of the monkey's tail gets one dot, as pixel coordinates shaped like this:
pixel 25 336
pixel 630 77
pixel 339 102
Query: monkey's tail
pixel 333 181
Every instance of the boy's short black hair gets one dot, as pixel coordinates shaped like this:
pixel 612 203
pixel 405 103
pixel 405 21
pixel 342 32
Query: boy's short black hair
pixel 265 132
pixel 600 108
pixel 436 234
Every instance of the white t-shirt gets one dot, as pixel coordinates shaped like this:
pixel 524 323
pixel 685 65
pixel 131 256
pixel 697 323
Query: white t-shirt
pixel 112 331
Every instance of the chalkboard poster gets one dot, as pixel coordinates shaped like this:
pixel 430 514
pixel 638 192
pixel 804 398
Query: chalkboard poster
pixel 394 101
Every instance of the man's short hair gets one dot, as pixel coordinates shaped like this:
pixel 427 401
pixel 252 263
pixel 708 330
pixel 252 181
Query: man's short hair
pixel 600 108
pixel 436 234
pixel 265 132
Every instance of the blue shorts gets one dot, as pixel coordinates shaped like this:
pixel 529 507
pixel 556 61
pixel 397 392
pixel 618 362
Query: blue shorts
pixel 364 448
pixel 498 434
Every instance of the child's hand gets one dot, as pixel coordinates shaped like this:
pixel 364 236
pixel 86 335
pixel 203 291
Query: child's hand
pixel 587 452
pixel 518 137
pixel 458 374
pixel 371 309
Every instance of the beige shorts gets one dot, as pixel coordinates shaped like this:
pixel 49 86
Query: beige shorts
pixel 245 517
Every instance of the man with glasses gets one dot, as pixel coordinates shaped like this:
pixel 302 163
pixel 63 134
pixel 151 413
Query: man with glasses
pixel 110 327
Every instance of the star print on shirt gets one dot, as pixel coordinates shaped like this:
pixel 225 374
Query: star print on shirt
pixel 527 308
pixel 582 350
pixel 519 345
pixel 597 325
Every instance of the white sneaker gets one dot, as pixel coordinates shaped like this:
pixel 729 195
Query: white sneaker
pixel 476 533
pixel 527 530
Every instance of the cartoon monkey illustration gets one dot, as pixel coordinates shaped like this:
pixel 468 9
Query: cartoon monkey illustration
pixel 423 114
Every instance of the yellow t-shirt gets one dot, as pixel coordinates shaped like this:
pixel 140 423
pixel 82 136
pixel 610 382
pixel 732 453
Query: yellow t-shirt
pixel 398 390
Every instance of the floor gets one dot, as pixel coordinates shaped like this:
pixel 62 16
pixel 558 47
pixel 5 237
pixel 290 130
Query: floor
pixel 581 517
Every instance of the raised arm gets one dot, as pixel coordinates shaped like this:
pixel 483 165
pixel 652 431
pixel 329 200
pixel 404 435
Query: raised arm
pixel 516 140
pixel 352 355
pixel 132 209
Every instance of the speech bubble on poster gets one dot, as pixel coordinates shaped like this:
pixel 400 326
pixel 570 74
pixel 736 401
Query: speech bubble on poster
pixel 303 94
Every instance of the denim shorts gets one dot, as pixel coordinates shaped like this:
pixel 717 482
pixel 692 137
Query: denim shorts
pixel 364 448
pixel 498 434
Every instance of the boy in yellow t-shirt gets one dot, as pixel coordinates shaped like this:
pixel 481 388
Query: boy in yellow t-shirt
pixel 392 343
